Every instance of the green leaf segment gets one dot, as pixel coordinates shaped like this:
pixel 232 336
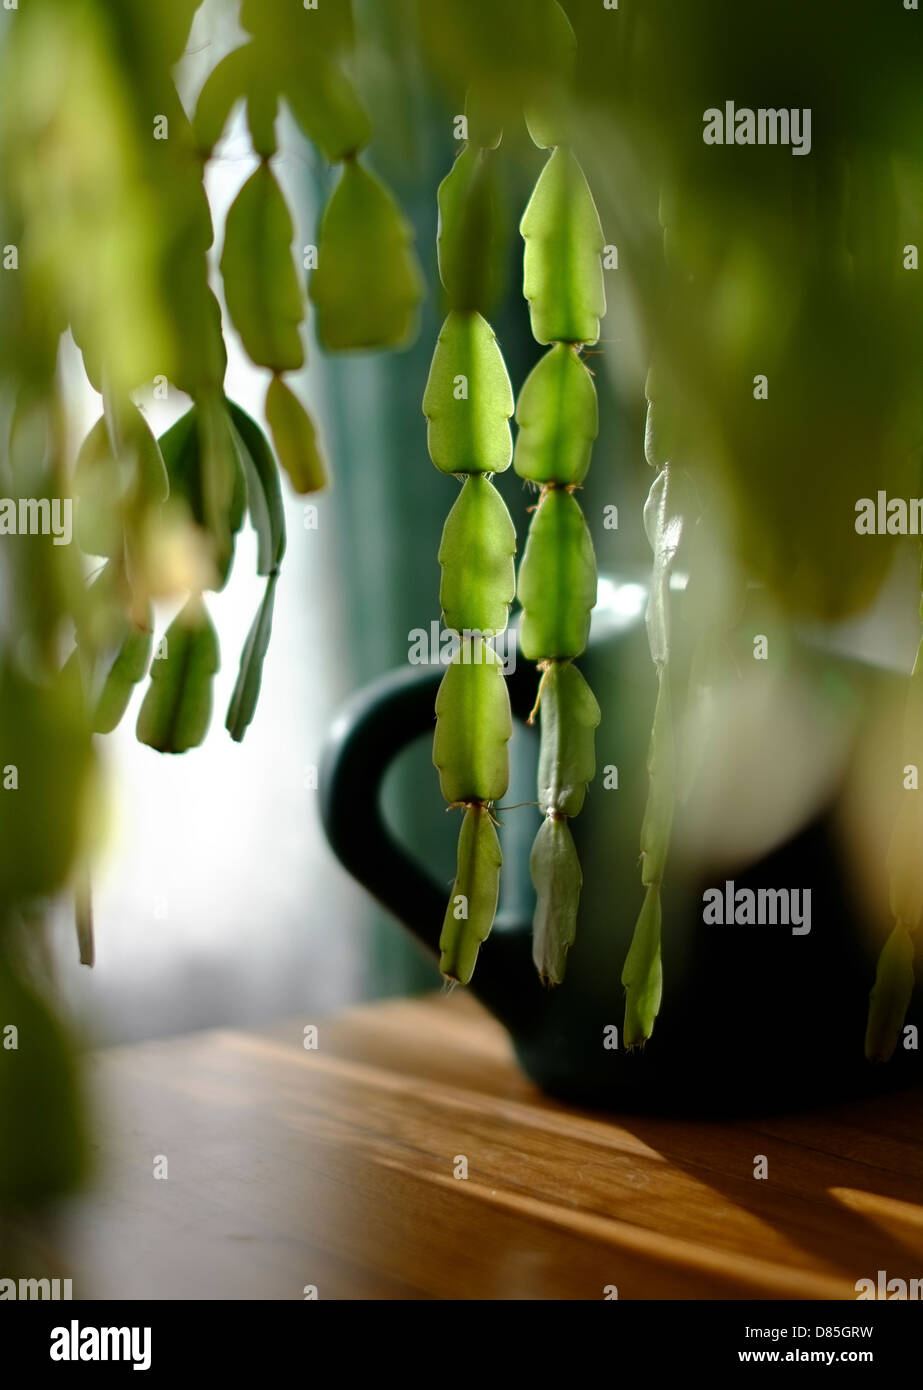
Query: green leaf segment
pixel 468 403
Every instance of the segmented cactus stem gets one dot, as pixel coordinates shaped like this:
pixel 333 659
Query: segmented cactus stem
pixel 642 974
pixel 467 403
pixel 558 422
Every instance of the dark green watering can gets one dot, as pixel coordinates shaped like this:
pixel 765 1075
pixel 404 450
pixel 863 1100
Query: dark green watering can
pixel 755 1016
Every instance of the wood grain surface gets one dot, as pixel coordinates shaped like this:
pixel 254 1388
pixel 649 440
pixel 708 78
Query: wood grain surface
pixel 335 1168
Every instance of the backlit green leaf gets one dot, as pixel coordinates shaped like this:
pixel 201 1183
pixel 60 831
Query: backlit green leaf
pixel 557 580
pixel 202 354
pixel 469 239
pixel 129 664
pixel 558 419
pixel 473 904
pixel 177 708
pixel 294 438
pixel 563 278
pixel 546 115
pixel 567 757
pixel 247 686
pixel 473 726
pixel 557 879
pixel 228 81
pixel 368 283
pixel 260 284
pixel 642 974
pixel 468 399
pixel 476 555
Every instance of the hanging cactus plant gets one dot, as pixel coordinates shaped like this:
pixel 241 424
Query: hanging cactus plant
pixel 558 422
pixel 468 403
pixel 110 257
pixel 642 975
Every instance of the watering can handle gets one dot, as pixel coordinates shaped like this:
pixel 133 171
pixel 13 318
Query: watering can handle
pixel 367 735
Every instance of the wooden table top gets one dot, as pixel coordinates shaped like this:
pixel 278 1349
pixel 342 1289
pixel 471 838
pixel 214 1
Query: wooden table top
pixel 335 1168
